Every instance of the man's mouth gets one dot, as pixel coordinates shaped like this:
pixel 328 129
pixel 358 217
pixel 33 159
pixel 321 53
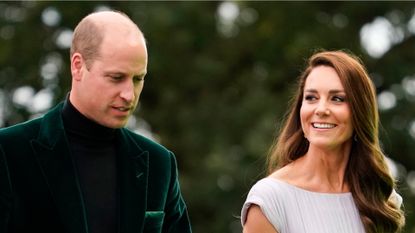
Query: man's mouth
pixel 122 109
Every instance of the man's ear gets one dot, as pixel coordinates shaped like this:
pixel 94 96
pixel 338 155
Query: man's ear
pixel 77 66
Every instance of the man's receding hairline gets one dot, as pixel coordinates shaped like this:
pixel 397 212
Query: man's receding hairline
pixel 94 19
pixel 98 21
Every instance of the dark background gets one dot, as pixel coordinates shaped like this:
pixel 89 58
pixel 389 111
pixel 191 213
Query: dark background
pixel 219 78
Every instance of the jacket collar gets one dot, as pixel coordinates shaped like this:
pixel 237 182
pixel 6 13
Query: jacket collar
pixel 133 179
pixel 52 151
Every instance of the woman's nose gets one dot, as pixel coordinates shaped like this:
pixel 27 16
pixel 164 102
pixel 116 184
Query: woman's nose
pixel 322 109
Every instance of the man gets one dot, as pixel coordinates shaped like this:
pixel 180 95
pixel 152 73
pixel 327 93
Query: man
pixel 76 169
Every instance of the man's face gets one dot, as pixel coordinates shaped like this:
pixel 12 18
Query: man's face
pixel 108 92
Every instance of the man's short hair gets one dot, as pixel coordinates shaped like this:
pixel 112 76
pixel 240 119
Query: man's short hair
pixel 88 36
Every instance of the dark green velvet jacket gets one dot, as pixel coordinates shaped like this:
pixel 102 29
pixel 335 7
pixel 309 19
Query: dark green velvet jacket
pixel 40 190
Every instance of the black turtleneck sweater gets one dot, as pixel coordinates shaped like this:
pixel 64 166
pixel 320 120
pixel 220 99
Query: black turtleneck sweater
pixel 93 150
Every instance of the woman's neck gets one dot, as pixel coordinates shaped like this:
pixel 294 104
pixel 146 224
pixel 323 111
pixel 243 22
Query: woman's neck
pixel 318 170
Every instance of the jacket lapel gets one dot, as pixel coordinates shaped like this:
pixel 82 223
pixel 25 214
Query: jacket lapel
pixel 133 176
pixel 52 151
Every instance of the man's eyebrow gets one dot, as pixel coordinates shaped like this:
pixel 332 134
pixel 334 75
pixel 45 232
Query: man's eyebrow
pixel 114 72
pixel 124 74
pixel 141 75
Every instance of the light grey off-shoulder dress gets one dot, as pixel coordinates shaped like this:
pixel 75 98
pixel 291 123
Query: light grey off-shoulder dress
pixel 291 209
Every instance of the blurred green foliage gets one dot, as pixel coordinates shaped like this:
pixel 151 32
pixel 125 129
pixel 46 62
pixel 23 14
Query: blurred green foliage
pixel 220 75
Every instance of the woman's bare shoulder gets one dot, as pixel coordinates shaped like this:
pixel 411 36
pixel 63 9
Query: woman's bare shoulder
pixel 256 222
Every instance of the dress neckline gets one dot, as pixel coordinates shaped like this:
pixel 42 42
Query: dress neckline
pixel 291 186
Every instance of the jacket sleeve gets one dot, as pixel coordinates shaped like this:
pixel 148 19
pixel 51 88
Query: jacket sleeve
pixel 176 219
pixel 5 193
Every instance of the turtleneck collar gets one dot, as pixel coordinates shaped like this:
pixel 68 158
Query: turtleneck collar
pixel 79 126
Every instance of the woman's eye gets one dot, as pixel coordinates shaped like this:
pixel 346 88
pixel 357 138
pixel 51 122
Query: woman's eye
pixel 338 99
pixel 310 97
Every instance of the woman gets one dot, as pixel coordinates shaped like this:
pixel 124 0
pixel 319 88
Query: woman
pixel 327 172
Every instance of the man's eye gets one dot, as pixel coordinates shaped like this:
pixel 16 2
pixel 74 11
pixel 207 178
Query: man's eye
pixel 138 79
pixel 116 78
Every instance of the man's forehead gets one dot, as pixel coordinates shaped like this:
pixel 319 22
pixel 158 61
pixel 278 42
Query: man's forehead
pixel 109 20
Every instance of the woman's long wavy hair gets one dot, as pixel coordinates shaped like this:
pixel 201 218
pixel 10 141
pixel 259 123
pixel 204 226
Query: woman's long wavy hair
pixel 367 173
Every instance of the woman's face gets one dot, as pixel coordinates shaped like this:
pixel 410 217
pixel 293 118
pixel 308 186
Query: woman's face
pixel 325 111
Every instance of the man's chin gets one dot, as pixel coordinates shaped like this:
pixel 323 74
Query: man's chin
pixel 115 124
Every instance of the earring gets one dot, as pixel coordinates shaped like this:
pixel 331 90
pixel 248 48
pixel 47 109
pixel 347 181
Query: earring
pixel 355 137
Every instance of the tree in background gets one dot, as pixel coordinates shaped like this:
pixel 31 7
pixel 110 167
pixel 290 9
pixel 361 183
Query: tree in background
pixel 220 75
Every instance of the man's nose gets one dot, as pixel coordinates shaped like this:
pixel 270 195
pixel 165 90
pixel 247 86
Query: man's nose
pixel 127 91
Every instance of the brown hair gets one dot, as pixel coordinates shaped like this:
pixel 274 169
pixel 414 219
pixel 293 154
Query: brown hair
pixel 367 173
